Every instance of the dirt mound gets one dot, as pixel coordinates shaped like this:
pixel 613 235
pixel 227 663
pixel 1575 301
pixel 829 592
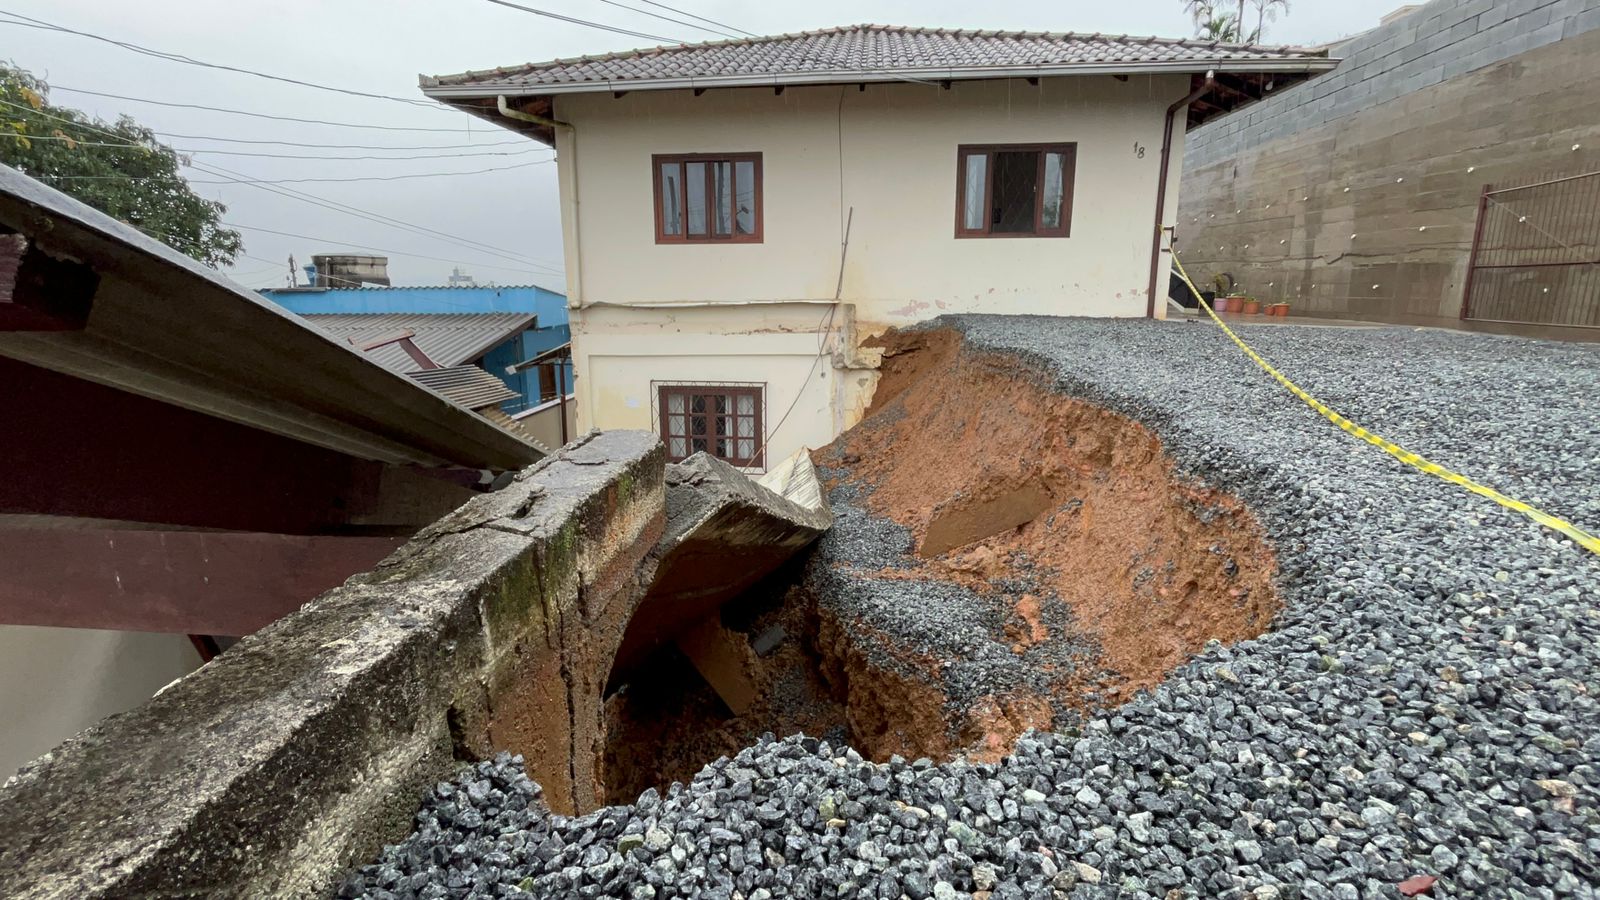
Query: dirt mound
pixel 995 475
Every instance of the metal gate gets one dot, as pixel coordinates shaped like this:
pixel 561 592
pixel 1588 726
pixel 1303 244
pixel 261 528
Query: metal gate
pixel 1536 255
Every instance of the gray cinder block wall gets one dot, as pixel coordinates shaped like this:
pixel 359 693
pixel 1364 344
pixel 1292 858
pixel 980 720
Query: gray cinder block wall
pixel 1355 194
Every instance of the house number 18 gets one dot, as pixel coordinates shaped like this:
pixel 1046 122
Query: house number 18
pixel 1138 150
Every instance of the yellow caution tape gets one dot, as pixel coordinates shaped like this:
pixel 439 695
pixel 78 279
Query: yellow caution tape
pixel 1583 538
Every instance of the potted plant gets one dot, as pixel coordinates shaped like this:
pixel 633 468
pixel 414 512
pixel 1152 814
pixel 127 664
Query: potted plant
pixel 1220 304
pixel 1278 309
pixel 1250 306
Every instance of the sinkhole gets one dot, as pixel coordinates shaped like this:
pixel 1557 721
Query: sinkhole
pixel 1005 557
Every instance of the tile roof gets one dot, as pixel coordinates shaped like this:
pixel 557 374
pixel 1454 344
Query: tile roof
pixel 468 385
pixel 448 339
pixel 877 53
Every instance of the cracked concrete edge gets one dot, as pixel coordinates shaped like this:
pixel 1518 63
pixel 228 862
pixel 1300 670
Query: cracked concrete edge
pixel 303 749
pixel 702 490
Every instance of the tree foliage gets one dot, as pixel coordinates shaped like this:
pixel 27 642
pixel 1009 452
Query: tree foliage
pixel 1225 20
pixel 135 180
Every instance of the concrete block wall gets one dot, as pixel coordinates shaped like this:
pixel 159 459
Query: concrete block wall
pixel 1444 39
pixel 1355 195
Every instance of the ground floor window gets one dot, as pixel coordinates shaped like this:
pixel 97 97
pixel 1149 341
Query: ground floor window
pixel 724 420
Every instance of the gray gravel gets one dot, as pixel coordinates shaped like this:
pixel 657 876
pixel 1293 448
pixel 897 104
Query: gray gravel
pixel 1424 704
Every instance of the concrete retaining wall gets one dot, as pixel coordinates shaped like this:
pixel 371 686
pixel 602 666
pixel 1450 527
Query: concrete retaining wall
pixel 1395 147
pixel 304 748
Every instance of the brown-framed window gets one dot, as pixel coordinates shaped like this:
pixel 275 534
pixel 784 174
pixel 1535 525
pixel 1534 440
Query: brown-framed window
pixel 723 420
pixel 707 197
pixel 1015 190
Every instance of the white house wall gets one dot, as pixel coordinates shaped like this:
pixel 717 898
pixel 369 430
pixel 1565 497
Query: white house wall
pixel 895 147
pixel 889 154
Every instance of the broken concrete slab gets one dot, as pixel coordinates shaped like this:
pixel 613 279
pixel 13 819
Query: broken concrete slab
pixel 724 533
pixel 304 748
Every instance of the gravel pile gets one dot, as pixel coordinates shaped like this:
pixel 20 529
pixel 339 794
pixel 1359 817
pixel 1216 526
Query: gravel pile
pixel 1425 705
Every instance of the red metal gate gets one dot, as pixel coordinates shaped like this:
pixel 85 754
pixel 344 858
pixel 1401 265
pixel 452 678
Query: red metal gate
pixel 1536 255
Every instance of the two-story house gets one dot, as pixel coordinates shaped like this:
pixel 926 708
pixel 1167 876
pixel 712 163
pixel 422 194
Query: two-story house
pixel 739 216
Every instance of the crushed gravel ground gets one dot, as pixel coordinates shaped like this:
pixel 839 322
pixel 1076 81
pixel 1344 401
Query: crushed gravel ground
pixel 1424 705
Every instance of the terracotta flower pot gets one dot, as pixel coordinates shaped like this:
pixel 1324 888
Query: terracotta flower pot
pixel 1252 307
pixel 1278 309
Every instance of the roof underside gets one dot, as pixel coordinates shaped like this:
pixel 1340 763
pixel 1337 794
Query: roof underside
pixel 166 327
pixel 873 53
pixel 449 339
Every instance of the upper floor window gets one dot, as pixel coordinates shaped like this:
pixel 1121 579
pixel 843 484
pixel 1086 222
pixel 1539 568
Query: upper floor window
pixel 707 197
pixel 1014 190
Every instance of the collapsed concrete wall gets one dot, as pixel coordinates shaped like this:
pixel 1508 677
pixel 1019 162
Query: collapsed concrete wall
pixel 304 748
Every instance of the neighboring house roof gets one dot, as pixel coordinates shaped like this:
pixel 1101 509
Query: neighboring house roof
pixel 469 386
pixel 167 327
pixel 874 53
pixel 449 339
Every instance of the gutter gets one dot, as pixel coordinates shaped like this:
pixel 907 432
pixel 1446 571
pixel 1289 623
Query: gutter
pixel 1161 186
pixel 432 87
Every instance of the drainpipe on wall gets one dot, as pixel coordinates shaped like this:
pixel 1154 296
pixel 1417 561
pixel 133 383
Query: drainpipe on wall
pixel 1161 185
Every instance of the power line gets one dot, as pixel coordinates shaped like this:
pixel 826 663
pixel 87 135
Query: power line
pixel 684 12
pixel 257 115
pixel 28 22
pixel 293 194
pixel 646 12
pixel 230 140
pixel 79 143
pixel 559 17
pixel 307 237
pixel 372 177
pixel 291 180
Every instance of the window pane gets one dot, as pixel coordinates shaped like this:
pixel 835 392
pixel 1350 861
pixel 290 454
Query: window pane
pixel 675 425
pixel 678 447
pixel 697 403
pixel 695 196
pixel 747 404
pixel 1050 217
pixel 671 199
pixel 744 182
pixel 675 403
pixel 973 186
pixel 697 425
pixel 1016 177
pixel 698 444
pixel 722 197
pixel 747 449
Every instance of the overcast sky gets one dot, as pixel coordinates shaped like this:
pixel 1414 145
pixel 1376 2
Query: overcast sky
pixel 379 46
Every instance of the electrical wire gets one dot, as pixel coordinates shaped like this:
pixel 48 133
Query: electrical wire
pixel 406 177
pixel 256 115
pixel 684 12
pixel 646 12
pixel 78 143
pixel 232 140
pixel 291 180
pixel 29 22
pixel 320 240
pixel 559 17
pixel 335 206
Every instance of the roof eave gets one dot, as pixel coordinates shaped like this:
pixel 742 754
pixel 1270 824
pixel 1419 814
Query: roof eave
pixel 855 76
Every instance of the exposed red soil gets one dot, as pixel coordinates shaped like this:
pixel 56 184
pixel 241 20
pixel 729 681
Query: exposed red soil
pixel 987 466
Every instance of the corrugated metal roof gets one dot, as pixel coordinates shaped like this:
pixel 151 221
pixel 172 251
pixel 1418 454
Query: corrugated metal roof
pixel 448 339
pixel 872 53
pixel 469 386
pixel 406 287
